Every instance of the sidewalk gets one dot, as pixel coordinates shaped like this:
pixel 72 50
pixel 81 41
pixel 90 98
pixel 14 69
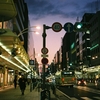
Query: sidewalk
pixel 10 93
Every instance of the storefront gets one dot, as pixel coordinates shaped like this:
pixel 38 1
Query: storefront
pixel 6 76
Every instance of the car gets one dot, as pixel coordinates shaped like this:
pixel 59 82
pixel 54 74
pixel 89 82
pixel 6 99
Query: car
pixel 81 82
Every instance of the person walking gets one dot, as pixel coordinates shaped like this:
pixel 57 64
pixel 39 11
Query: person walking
pixel 22 84
pixel 15 83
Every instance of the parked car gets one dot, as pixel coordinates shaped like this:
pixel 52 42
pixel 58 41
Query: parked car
pixel 81 81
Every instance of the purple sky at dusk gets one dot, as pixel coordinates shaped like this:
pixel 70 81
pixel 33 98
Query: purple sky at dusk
pixel 49 11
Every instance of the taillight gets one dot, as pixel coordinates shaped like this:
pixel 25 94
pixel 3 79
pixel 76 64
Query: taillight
pixel 85 82
pixel 73 79
pixel 79 82
pixel 63 79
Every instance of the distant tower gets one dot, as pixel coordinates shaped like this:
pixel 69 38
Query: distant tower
pixel 77 19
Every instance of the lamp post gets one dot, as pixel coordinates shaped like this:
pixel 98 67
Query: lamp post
pixel 44 46
pixel 56 27
pixel 25 30
pixel 31 62
pixel 16 50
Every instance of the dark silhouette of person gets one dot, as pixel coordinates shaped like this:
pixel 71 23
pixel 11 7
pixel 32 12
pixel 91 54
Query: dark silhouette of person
pixel 22 84
pixel 15 83
pixel 28 81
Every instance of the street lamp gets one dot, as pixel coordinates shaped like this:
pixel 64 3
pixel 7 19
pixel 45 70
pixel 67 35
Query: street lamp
pixel 32 61
pixel 25 30
pixel 18 49
pixel 44 46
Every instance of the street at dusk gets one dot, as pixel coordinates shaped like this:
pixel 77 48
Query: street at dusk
pixel 49 50
pixel 62 11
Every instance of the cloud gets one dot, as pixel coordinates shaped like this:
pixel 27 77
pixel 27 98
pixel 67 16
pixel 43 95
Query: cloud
pixel 66 9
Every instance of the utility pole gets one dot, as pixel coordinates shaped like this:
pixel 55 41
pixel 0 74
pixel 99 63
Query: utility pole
pixel 44 45
pixel 44 60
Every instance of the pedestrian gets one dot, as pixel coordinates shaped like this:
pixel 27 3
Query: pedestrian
pixel 53 87
pixel 15 83
pixel 22 84
pixel 34 82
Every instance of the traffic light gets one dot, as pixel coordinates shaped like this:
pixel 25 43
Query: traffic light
pixel 78 25
pixel 70 64
pixel 81 27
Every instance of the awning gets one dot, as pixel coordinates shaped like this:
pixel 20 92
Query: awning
pixel 8 42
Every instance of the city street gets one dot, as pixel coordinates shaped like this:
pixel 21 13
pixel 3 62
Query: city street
pixel 11 93
pixel 81 92
pixel 49 50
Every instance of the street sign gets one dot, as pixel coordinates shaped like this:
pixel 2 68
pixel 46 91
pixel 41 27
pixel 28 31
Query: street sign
pixel 44 61
pixel 44 50
pixel 68 27
pixel 44 55
pixel 57 27
pixel 31 62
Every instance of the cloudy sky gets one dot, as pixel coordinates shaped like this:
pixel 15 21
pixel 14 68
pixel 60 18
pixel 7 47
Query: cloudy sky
pixel 49 11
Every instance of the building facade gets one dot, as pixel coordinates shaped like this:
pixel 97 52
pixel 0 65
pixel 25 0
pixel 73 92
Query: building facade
pixel 13 56
pixel 95 39
pixel 81 49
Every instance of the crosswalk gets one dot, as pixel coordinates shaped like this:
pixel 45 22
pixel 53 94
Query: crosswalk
pixel 86 98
